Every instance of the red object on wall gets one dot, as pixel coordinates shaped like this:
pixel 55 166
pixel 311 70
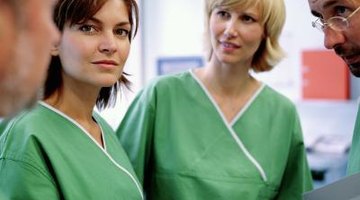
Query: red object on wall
pixel 324 76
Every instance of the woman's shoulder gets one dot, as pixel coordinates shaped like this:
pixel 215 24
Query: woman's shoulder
pixel 167 84
pixel 29 118
pixel 31 124
pixel 171 79
pixel 275 98
pixel 21 136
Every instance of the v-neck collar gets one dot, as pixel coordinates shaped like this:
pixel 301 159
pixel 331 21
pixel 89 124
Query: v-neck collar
pixel 230 127
pixel 240 113
pixel 78 125
pixel 104 150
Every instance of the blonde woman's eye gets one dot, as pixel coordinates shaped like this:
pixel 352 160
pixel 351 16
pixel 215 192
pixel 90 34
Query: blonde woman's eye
pixel 223 14
pixel 247 18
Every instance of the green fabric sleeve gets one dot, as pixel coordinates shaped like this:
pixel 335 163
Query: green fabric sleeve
pixel 297 177
pixel 21 180
pixel 136 131
pixel 354 158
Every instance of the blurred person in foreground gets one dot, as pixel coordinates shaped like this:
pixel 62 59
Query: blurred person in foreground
pixel 27 33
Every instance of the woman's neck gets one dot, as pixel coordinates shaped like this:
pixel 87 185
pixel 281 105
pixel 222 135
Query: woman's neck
pixel 78 109
pixel 227 80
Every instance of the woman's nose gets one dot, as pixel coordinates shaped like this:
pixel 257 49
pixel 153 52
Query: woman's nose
pixel 230 30
pixel 108 44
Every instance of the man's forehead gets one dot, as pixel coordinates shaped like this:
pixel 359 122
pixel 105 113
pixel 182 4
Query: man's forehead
pixel 323 4
pixel 316 2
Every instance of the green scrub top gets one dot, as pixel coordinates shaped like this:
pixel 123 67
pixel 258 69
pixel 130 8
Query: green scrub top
pixel 182 147
pixel 354 157
pixel 2 197
pixel 44 154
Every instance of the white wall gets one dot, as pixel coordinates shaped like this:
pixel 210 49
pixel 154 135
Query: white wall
pixel 171 28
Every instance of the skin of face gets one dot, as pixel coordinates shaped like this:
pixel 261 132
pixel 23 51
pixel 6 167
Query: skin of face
pixel 235 34
pixel 27 37
pixel 93 53
pixel 346 43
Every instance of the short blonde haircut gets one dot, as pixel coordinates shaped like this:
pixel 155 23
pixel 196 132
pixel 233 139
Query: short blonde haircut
pixel 272 17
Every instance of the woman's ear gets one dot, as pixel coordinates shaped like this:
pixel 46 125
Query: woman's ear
pixel 264 35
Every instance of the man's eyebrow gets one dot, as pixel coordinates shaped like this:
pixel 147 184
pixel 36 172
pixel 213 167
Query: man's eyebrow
pixel 325 6
pixel 316 14
pixel 329 3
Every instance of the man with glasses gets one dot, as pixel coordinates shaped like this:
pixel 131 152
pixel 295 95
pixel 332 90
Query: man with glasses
pixel 339 20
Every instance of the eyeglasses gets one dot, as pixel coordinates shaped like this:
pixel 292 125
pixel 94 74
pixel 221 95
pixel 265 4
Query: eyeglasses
pixel 336 23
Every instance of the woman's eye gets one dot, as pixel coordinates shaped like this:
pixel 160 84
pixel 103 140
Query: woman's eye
pixel 122 32
pixel 247 18
pixel 223 14
pixel 87 28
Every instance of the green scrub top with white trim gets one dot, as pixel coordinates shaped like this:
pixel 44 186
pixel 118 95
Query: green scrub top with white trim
pixel 182 147
pixel 44 154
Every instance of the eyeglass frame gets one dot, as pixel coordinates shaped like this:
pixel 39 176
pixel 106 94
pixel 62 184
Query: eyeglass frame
pixel 318 24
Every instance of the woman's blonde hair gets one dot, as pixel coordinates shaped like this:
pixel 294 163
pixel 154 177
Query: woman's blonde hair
pixel 272 17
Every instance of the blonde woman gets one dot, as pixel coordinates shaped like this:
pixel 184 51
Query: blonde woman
pixel 216 132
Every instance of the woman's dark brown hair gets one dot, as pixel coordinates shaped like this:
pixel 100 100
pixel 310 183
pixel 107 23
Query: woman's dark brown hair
pixel 78 11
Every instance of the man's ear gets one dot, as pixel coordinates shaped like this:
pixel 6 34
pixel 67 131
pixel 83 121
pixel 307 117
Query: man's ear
pixel 55 50
pixel 5 14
